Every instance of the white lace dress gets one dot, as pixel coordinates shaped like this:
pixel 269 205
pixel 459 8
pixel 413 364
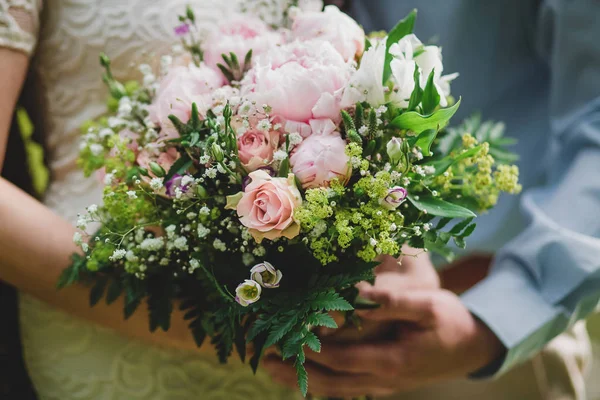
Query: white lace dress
pixel 69 358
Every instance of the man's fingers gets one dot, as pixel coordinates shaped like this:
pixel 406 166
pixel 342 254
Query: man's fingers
pixel 364 358
pixel 410 305
pixel 324 382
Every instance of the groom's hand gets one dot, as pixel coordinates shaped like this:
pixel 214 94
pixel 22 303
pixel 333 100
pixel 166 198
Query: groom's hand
pixel 436 339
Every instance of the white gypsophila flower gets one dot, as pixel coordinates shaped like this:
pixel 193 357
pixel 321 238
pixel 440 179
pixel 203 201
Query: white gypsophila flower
pixel 181 243
pixel 105 133
pixel 131 194
pixel 125 109
pixel 247 293
pixel 118 254
pixel 131 257
pixel 246 235
pixel 96 149
pixel 92 209
pixel 266 275
pixel 211 173
pixel 393 227
pixel 187 180
pixel 77 238
pixel 248 259
pixel 194 265
pixel 205 211
pixel 319 229
pixel 218 110
pixel 264 125
pixel 373 242
pixel 156 183
pixel 149 79
pixel 202 231
pixel 205 159
pixel 280 155
pixel 295 139
pixel 114 122
pixel 429 170
pixel 108 179
pixel 221 169
pixel 178 193
pixel 85 247
pixel 218 244
pixel 259 251
pixel 170 230
pixel 405 181
pixel 152 244
pixel 363 130
pixel 164 262
pixel 191 215
pixel 426 227
pixel 165 63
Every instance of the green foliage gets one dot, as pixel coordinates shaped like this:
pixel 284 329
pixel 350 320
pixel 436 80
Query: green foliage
pixel 431 97
pixel 440 208
pixel 418 123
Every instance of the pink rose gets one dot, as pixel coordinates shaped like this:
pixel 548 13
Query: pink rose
pixel 332 26
pixel 320 158
pixel 256 148
pixel 181 87
pixel 300 81
pixel 267 206
pixel 238 35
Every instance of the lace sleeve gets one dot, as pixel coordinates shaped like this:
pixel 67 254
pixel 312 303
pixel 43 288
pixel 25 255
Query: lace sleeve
pixel 19 24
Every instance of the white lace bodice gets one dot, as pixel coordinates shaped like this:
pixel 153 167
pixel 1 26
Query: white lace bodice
pixel 68 358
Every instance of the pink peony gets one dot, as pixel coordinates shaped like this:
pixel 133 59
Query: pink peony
pixel 256 148
pixel 300 81
pixel 238 35
pixel 267 206
pixel 320 158
pixel 178 90
pixel 332 26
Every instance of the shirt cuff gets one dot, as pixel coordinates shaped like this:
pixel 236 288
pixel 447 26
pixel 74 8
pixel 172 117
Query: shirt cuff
pixel 510 304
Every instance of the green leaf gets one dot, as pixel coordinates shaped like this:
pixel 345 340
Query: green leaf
pixel 431 97
pixel 417 94
pixel 418 123
pixel 313 342
pixel 367 44
pixel 321 319
pixel 441 208
pixel 442 165
pixel 248 59
pixel 329 301
pixel 179 167
pixel 280 329
pixel 456 229
pixel 442 223
pixel 403 28
pixel 425 140
pixel 348 121
pixel 302 377
pixel 460 242
pixel 182 128
pixel 468 230
pixel 114 291
pixel 440 249
pixel 259 326
pixel 284 168
pixel 98 291
pixel 195 121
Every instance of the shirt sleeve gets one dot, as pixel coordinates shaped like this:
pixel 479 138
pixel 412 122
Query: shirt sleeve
pixel 19 24
pixel 548 277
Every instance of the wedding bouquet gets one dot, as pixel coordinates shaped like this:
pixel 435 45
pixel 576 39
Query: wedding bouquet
pixel 256 176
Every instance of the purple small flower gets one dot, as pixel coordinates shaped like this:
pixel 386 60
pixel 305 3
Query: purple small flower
pixel 182 29
pixel 394 197
pixel 174 183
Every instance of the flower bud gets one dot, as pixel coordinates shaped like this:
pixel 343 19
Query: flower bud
pixel 157 169
pixel 217 152
pixel 247 293
pixel 266 275
pixel 201 192
pixel 394 149
pixel 394 197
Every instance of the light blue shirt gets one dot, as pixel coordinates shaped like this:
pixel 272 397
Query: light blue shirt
pixel 535 65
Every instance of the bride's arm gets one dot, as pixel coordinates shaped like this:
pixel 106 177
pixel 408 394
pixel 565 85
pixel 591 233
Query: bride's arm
pixel 36 244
